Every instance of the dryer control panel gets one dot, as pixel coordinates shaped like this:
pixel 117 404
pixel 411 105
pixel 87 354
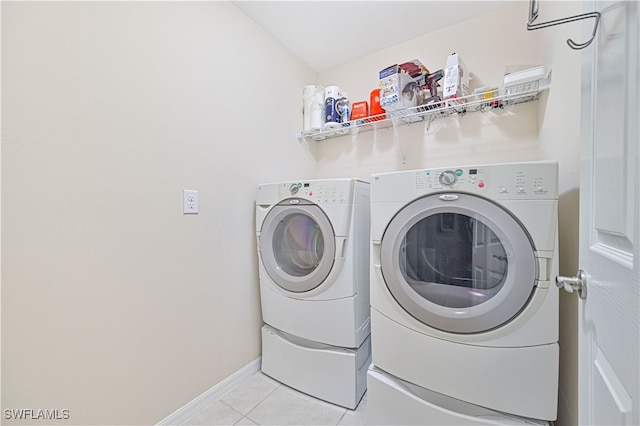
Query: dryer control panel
pixel 460 179
pixel 533 180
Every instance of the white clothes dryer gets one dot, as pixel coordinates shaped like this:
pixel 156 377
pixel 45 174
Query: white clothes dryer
pixel 461 293
pixel 313 249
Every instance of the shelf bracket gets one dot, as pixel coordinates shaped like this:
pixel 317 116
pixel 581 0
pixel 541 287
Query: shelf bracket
pixel 533 15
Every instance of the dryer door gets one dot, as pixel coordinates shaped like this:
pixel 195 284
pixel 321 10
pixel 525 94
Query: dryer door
pixel 297 245
pixel 458 262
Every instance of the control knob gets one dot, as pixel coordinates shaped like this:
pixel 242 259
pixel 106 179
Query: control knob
pixel 448 178
pixel 293 189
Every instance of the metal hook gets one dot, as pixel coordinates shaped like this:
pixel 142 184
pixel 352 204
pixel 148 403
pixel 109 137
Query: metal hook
pixel 533 15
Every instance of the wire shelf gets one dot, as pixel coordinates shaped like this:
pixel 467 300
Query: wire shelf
pixel 482 102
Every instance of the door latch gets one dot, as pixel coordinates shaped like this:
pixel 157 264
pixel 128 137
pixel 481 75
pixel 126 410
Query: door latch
pixel 571 284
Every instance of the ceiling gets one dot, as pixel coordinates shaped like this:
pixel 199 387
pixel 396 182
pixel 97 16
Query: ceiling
pixel 325 34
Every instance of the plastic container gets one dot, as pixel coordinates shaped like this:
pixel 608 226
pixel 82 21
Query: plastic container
pixel 376 113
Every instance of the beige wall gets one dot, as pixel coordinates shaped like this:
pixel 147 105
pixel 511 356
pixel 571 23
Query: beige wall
pixel 546 130
pixel 560 139
pixel 115 305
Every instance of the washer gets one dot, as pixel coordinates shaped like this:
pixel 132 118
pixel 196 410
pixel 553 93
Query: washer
pixel 461 293
pixel 313 249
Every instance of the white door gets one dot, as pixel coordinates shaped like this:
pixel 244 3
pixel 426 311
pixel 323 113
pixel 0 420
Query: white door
pixel 609 316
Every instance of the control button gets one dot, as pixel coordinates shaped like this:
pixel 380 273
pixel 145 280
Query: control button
pixel 520 189
pixel 480 184
pixel 310 193
pixel 502 190
pixel 448 178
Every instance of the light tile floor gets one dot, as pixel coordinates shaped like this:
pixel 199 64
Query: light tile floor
pixel 260 400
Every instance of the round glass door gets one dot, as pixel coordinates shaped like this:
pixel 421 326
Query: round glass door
pixel 297 245
pixel 458 263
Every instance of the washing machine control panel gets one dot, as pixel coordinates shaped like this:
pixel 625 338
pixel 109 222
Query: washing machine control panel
pixel 319 192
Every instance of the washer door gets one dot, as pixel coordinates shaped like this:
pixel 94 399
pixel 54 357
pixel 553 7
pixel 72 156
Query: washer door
pixel 458 262
pixel 297 245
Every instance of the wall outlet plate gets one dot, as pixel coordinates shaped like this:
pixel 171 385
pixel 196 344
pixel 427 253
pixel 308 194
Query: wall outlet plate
pixel 190 201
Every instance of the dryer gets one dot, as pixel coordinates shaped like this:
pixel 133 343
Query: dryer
pixel 313 249
pixel 461 294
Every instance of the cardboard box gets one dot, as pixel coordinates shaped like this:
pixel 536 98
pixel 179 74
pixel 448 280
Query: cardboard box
pixel 399 87
pixel 359 111
pixel 456 78
pixel 393 80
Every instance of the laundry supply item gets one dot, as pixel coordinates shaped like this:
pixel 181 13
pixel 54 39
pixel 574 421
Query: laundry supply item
pixel 359 111
pixel 377 113
pixel 344 112
pixel 344 108
pixel 456 78
pixel 332 95
pixel 313 107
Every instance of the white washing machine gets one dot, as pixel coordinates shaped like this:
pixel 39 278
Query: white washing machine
pixel 462 301
pixel 313 248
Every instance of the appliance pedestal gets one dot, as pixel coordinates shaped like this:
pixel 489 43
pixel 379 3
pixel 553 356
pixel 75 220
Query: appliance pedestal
pixel 394 401
pixel 333 374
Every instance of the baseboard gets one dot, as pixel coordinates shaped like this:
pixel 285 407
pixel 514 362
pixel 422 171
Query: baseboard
pixel 191 408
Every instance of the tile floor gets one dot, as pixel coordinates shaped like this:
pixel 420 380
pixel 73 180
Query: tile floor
pixel 260 400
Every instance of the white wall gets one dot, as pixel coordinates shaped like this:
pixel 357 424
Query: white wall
pixel 115 305
pixel 546 130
